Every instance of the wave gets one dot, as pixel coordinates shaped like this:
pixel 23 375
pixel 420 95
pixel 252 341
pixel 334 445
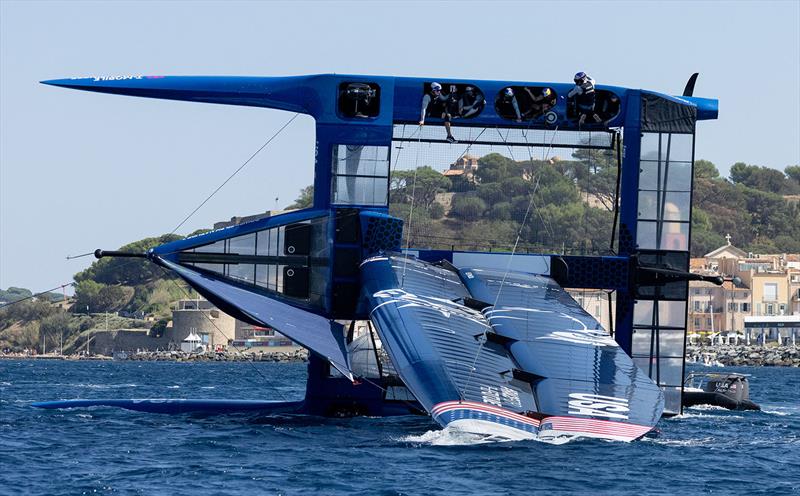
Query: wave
pixel 679 442
pixel 448 437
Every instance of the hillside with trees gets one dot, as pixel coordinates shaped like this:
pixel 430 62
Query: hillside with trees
pixel 127 289
pixel 570 205
pixel 567 204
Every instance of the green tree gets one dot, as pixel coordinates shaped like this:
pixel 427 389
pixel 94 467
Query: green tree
pixel 705 169
pixel 436 211
pixel 304 200
pixel 422 185
pixel 793 172
pixel 493 168
pixel 99 297
pixel 763 179
pixel 126 271
pixel 14 294
pixel 469 208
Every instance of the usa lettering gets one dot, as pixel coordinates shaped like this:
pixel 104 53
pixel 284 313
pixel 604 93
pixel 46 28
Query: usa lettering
pixel 595 405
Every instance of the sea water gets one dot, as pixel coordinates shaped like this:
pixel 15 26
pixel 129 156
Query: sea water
pixel 111 451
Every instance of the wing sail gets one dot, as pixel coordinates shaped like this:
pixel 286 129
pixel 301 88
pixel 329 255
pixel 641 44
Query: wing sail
pixel 553 337
pixel 522 362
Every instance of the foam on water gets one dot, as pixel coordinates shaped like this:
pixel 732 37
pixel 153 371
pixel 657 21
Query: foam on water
pixel 447 437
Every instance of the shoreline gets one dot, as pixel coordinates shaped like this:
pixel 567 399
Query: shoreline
pixel 299 355
pixel 725 355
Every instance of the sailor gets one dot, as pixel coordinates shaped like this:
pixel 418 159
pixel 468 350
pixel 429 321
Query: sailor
pixel 453 102
pixel 541 102
pixel 607 108
pixel 471 103
pixel 508 99
pixel 584 97
pixel 435 104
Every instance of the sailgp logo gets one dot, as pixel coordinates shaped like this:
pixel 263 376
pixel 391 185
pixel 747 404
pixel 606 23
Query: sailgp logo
pixel 116 78
pixel 596 405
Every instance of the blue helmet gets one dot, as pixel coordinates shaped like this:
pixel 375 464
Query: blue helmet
pixel 580 76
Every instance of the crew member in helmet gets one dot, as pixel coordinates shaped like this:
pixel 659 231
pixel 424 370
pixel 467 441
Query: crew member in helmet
pixel 541 102
pixel 471 102
pixel 508 105
pixel 584 96
pixel 434 104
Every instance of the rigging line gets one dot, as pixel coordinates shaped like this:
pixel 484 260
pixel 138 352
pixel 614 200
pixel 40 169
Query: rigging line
pixel 72 257
pixel 471 142
pixel 34 295
pixel 508 265
pixel 231 341
pixel 235 172
pixel 510 152
pixel 482 340
pixel 547 227
pixel 411 213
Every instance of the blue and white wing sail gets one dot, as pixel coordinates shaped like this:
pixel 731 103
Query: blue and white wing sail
pixel 434 341
pixel 527 362
pixel 582 371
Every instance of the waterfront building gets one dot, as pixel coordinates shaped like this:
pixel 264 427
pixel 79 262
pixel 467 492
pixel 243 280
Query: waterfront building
pixel 763 303
pixel 198 316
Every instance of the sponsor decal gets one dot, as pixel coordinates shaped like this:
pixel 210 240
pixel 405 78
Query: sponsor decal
pixel 596 405
pixel 500 396
pixel 116 78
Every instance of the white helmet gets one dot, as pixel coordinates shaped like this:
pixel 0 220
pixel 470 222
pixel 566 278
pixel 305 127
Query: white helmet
pixel 436 87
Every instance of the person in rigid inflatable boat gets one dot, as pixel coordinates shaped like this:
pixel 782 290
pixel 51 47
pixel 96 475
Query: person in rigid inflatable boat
pixel 435 104
pixel 584 96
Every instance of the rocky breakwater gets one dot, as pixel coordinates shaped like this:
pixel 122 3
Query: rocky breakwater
pixel 743 355
pixel 298 355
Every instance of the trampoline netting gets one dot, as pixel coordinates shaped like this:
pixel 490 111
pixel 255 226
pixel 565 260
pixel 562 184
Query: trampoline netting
pixel 557 189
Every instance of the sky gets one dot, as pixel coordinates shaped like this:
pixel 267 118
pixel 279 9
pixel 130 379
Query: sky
pixel 80 170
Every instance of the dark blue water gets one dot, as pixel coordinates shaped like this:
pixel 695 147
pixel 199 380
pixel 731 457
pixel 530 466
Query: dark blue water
pixel 109 451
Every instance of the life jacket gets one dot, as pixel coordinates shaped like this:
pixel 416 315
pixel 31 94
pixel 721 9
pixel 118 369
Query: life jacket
pixel 585 99
pixel 436 106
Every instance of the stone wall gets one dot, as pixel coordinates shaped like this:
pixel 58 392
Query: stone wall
pixel 742 355
pixel 127 340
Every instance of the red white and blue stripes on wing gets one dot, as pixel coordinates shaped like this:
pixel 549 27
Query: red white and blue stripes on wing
pixel 449 411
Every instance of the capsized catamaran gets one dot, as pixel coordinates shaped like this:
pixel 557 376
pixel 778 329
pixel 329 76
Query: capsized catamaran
pixel 488 343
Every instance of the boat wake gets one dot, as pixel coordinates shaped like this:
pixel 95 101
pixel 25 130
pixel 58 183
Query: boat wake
pixel 450 437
